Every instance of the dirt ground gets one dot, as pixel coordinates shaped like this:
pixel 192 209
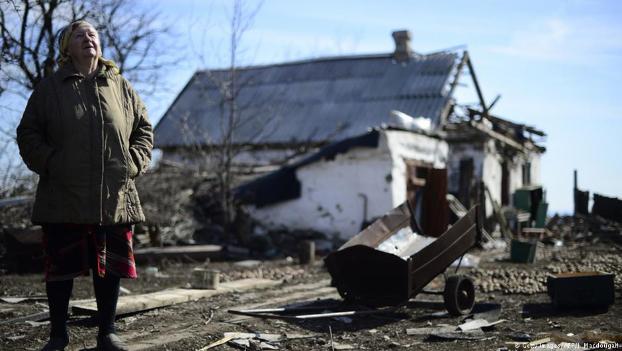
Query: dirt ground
pixel 194 325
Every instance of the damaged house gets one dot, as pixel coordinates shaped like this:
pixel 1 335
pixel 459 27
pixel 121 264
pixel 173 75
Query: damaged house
pixel 348 138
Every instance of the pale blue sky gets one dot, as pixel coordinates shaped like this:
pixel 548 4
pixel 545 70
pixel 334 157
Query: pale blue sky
pixel 557 64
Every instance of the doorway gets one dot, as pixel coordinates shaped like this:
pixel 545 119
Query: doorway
pixel 426 191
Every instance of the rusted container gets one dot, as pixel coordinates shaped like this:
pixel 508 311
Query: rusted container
pixel 388 262
pixel 581 289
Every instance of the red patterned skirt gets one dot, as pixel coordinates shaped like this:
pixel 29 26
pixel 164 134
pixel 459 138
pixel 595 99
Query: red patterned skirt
pixel 72 249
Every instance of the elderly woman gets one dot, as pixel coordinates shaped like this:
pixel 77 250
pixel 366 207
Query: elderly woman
pixel 86 134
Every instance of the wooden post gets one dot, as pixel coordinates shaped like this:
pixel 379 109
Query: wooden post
pixel 478 90
pixel 155 239
pixel 574 193
pixel 307 252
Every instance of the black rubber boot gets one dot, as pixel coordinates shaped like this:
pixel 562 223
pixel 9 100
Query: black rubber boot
pixel 111 342
pixel 56 344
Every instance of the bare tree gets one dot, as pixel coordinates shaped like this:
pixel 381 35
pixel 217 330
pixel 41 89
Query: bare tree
pixel 29 30
pixel 218 149
pixel 130 39
pixel 238 118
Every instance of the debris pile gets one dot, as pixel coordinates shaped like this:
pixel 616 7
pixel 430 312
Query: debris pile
pixel 589 262
pixel 287 273
pixel 510 280
pixel 514 280
pixel 17 216
pixel 255 341
pixel 167 199
pixel 14 216
pixel 585 228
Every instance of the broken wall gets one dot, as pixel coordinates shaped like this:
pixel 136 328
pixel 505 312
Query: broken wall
pixel 330 200
pixel 487 166
pixel 338 195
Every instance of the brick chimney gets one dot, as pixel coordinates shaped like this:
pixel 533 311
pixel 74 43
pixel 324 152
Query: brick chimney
pixel 402 46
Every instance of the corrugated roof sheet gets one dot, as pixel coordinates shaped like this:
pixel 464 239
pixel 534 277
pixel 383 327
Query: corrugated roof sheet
pixel 310 101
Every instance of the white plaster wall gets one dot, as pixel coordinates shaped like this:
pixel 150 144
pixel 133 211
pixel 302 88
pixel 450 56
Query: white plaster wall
pixel 491 175
pixel 330 200
pixel 516 180
pixel 487 166
pixel 516 174
pixel 535 168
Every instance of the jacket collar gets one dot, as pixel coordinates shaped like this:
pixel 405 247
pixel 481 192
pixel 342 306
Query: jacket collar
pixel 68 71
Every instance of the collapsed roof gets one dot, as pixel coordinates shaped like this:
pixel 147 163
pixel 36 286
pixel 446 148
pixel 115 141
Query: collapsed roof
pixel 483 125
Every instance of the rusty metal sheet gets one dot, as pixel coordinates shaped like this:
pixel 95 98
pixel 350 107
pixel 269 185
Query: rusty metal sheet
pixel 382 229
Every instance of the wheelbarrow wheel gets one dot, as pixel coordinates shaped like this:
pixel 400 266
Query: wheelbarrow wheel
pixel 459 295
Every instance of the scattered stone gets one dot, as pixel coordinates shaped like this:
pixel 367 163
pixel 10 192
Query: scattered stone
pixel 530 281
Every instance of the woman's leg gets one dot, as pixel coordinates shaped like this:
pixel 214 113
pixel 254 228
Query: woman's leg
pixel 58 293
pixel 110 243
pixel 106 294
pixel 64 257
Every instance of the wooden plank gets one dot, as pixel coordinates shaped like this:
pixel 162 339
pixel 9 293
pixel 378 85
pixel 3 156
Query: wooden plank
pixel 325 292
pixel 179 249
pixel 504 139
pixel 35 317
pixel 192 252
pixel 505 230
pixel 478 90
pixel 452 87
pixel 136 303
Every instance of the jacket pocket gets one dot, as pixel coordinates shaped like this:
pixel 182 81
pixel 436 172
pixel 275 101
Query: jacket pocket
pixel 132 203
pixel 131 171
pixel 54 165
pixel 126 163
pixel 132 168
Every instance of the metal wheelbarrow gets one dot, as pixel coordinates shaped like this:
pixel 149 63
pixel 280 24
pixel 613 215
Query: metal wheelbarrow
pixel 388 263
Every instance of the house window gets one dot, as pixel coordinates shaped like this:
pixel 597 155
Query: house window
pixel 527 173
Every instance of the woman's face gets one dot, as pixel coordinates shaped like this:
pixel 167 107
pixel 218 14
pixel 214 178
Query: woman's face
pixel 84 43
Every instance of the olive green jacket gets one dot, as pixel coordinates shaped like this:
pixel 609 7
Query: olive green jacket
pixel 87 138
